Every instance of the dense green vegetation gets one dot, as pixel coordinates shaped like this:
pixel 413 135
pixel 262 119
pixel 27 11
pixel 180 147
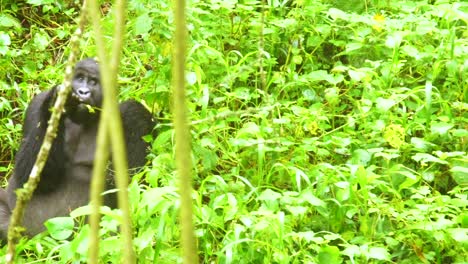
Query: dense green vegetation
pixel 323 131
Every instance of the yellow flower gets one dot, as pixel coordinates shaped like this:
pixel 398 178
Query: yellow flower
pixel 379 21
pixel 394 135
pixel 379 18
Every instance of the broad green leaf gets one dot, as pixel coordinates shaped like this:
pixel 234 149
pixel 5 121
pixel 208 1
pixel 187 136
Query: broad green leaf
pixel 459 234
pixel 411 51
pixel 60 228
pixel 460 175
pixel 284 23
pixel 310 198
pixel 143 24
pixel 242 93
pixel 40 2
pixel 384 104
pixel 41 40
pixel 353 46
pixel 361 157
pixel 379 253
pixel 191 78
pixel 307 236
pixel 351 251
pixel 297 210
pixel 426 27
pixel 329 255
pixel 463 220
pixel 421 144
pixel 322 75
pixel 249 128
pixel 440 128
pixel 297 59
pixel 356 75
pixel 86 210
pixel 424 157
pixel 7 21
pixel 394 40
pixel 337 14
pixel 269 195
pixel 5 41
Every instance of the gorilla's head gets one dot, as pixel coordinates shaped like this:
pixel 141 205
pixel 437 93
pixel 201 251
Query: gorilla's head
pixel 86 95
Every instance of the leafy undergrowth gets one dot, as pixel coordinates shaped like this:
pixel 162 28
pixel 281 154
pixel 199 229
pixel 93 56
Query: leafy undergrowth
pixel 323 131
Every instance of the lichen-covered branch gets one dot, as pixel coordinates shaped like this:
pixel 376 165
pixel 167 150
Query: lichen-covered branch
pixel 24 194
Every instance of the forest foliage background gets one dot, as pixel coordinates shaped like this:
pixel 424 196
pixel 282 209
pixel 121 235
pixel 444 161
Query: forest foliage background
pixel 327 131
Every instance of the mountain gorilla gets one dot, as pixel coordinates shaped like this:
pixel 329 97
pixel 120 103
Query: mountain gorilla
pixel 65 179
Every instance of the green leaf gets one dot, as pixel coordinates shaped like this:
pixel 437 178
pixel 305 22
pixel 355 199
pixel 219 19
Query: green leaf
pixel 5 39
pixel 143 24
pixel 60 228
pixel 460 175
pixel 351 251
pixel 425 27
pixel 284 23
pixel 312 199
pixel 420 144
pixel 361 157
pixel 297 210
pixel 39 2
pixel 329 255
pixel 337 14
pixel 459 234
pixel 440 128
pixel 41 40
pixel 309 94
pixel 394 40
pixel 7 21
pixel 379 253
pixel 463 220
pixel 249 129
pixel 308 236
pixel 322 75
pixel 411 51
pixel 269 195
pixel 357 75
pixel 384 104
pixel 425 158
pixel 86 210
pixel 242 93
pixel 191 78
pixel 353 46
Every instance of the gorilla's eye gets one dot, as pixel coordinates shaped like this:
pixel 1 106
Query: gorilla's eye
pixel 93 81
pixel 79 77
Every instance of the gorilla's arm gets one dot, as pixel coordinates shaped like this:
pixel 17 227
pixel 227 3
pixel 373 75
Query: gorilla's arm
pixel 137 122
pixel 4 214
pixel 35 126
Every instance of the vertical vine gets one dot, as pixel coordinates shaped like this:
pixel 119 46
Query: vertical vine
pixel 110 121
pixel 182 136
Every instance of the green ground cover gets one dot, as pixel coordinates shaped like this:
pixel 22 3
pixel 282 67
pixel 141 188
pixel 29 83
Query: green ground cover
pixel 323 131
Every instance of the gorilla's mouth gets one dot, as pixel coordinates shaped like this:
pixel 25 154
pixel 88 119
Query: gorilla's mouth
pixel 83 105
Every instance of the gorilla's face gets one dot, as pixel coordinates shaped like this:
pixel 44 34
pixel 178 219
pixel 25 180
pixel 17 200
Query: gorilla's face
pixel 86 94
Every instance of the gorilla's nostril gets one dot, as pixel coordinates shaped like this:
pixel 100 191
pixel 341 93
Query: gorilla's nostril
pixel 84 92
